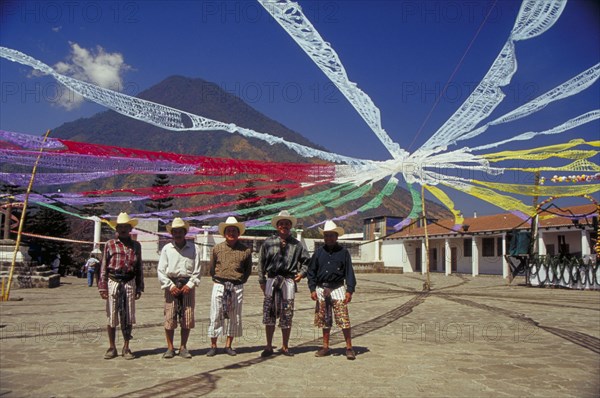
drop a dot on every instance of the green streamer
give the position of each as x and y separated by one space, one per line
377 200
417 204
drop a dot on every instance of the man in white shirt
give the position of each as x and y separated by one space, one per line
179 274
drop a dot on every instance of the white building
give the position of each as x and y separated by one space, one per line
479 245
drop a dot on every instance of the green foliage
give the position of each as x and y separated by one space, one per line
276 191
161 186
47 222
250 195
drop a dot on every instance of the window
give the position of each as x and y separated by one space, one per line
550 250
468 247
488 247
499 247
563 246
433 260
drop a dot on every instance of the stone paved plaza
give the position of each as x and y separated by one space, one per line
467 337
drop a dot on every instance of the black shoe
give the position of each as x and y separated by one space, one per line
266 353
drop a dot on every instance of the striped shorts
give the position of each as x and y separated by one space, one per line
189 304
233 325
340 309
111 304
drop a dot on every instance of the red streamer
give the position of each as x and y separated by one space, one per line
211 166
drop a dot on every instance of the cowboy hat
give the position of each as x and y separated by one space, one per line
283 215
178 223
231 222
124 218
331 227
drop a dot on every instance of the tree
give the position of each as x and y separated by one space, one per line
161 186
276 191
250 195
47 222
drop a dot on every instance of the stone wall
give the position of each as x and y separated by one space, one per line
26 276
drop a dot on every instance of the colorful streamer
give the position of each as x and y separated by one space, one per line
430 166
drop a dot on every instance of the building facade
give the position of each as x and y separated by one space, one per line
481 244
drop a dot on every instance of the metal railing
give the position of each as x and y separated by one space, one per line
573 272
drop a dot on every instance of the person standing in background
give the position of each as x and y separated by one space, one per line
90 266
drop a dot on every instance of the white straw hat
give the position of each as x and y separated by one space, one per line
178 223
231 222
283 215
331 227
124 218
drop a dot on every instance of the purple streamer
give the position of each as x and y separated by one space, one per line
30 141
521 215
90 163
402 224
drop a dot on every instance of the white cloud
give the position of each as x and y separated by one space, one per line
57 29
94 66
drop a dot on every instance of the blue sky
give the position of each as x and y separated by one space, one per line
401 53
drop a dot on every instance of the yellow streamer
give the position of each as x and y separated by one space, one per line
541 190
519 155
507 203
446 201
543 152
578 165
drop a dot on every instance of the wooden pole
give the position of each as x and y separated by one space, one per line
6 294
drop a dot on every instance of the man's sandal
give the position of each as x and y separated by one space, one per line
127 354
111 353
323 352
350 354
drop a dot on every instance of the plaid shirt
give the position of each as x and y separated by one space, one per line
124 258
277 259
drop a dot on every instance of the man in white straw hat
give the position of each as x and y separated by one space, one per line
329 268
230 268
283 261
121 282
179 274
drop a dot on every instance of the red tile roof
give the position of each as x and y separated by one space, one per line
503 222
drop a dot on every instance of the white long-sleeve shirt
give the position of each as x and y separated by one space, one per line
179 263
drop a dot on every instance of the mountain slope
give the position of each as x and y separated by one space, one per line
196 96
203 98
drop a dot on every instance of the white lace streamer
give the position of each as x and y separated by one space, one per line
534 18
162 115
291 18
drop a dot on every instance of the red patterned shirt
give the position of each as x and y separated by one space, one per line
124 257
